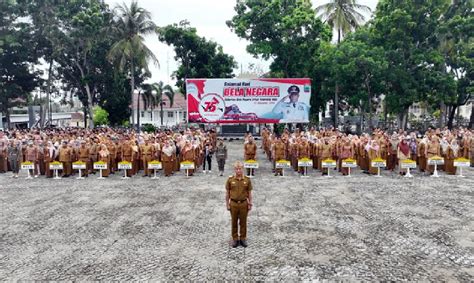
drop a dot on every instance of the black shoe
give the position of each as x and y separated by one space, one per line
235 244
243 243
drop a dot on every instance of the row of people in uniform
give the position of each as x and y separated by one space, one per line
111 147
393 148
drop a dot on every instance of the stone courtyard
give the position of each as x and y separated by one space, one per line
178 228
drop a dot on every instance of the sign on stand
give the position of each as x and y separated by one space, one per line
100 165
435 160
28 166
125 165
252 165
79 165
56 166
379 163
282 164
461 163
329 164
155 165
305 163
408 164
349 163
187 165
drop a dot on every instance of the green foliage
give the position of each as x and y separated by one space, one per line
290 33
198 57
149 128
101 117
17 79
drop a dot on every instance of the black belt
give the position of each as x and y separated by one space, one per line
238 201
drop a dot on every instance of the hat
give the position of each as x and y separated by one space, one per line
293 89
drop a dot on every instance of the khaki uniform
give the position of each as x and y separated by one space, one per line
250 152
238 190
147 152
65 156
127 155
279 151
84 157
32 156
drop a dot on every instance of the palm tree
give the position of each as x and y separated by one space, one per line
153 96
131 25
344 16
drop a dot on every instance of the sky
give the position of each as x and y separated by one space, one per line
208 17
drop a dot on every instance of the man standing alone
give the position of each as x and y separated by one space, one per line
238 200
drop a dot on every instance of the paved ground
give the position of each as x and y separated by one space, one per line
359 228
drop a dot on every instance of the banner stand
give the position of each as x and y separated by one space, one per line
460 173
408 175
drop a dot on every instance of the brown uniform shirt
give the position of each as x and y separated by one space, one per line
250 150
238 188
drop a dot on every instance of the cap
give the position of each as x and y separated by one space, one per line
293 89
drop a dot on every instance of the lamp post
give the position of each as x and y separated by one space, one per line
153 94
137 93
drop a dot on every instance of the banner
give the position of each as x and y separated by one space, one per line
248 100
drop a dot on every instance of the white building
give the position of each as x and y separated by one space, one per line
172 116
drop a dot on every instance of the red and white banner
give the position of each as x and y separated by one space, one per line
248 100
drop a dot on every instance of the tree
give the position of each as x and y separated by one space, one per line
455 33
153 96
198 57
343 16
132 24
288 32
17 77
408 37
87 30
360 70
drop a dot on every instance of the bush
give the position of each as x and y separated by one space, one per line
149 128
101 116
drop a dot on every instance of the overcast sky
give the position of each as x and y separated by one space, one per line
208 17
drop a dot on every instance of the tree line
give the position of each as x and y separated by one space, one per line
96 53
409 51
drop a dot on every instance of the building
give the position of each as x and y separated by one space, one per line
172 115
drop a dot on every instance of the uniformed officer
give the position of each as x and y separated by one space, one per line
250 153
292 111
238 199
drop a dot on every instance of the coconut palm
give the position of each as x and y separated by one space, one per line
131 25
153 96
344 16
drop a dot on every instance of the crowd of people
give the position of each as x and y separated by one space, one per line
112 146
394 148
